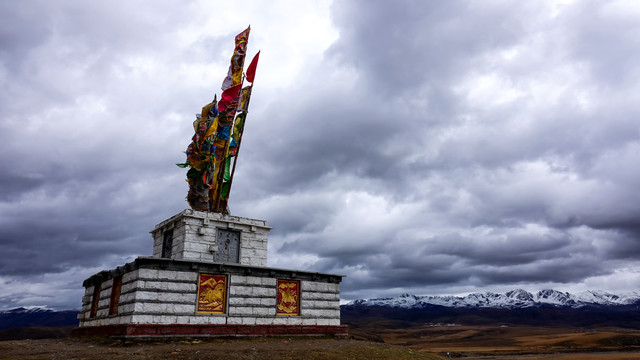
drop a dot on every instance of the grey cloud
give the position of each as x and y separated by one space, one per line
12 185
402 44
435 145
603 37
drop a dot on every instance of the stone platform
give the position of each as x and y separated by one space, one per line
208 277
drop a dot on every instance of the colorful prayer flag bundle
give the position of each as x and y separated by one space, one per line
212 154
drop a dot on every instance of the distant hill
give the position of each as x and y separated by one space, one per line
544 308
548 308
23 317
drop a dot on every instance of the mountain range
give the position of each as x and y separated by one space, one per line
37 316
510 300
546 308
516 307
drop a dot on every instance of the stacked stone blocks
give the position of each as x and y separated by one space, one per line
158 295
194 236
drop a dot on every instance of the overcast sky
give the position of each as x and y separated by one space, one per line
429 147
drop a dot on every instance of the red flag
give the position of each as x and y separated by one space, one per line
227 97
251 70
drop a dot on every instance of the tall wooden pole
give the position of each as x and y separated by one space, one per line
235 161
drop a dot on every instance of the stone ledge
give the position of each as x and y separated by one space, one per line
207 217
308 278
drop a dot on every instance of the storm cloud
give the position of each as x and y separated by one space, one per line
423 147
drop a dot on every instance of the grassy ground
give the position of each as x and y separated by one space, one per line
374 340
474 342
234 349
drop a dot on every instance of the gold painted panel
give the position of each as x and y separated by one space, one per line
212 294
288 298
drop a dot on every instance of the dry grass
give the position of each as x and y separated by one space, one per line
382 342
473 342
234 349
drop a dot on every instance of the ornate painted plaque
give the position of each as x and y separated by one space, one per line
212 294
288 297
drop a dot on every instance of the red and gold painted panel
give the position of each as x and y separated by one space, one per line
212 294
115 295
288 297
94 301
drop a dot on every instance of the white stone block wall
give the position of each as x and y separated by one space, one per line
86 303
250 298
163 296
194 236
320 303
104 300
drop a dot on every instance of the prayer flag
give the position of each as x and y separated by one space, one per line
217 136
228 96
228 81
251 70
245 94
234 75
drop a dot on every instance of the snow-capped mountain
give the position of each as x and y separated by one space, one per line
36 316
512 299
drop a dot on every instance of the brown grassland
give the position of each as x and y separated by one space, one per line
370 341
215 349
503 342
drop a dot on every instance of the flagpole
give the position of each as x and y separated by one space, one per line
235 161
237 58
250 77
220 180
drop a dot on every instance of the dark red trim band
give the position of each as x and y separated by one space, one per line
150 330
